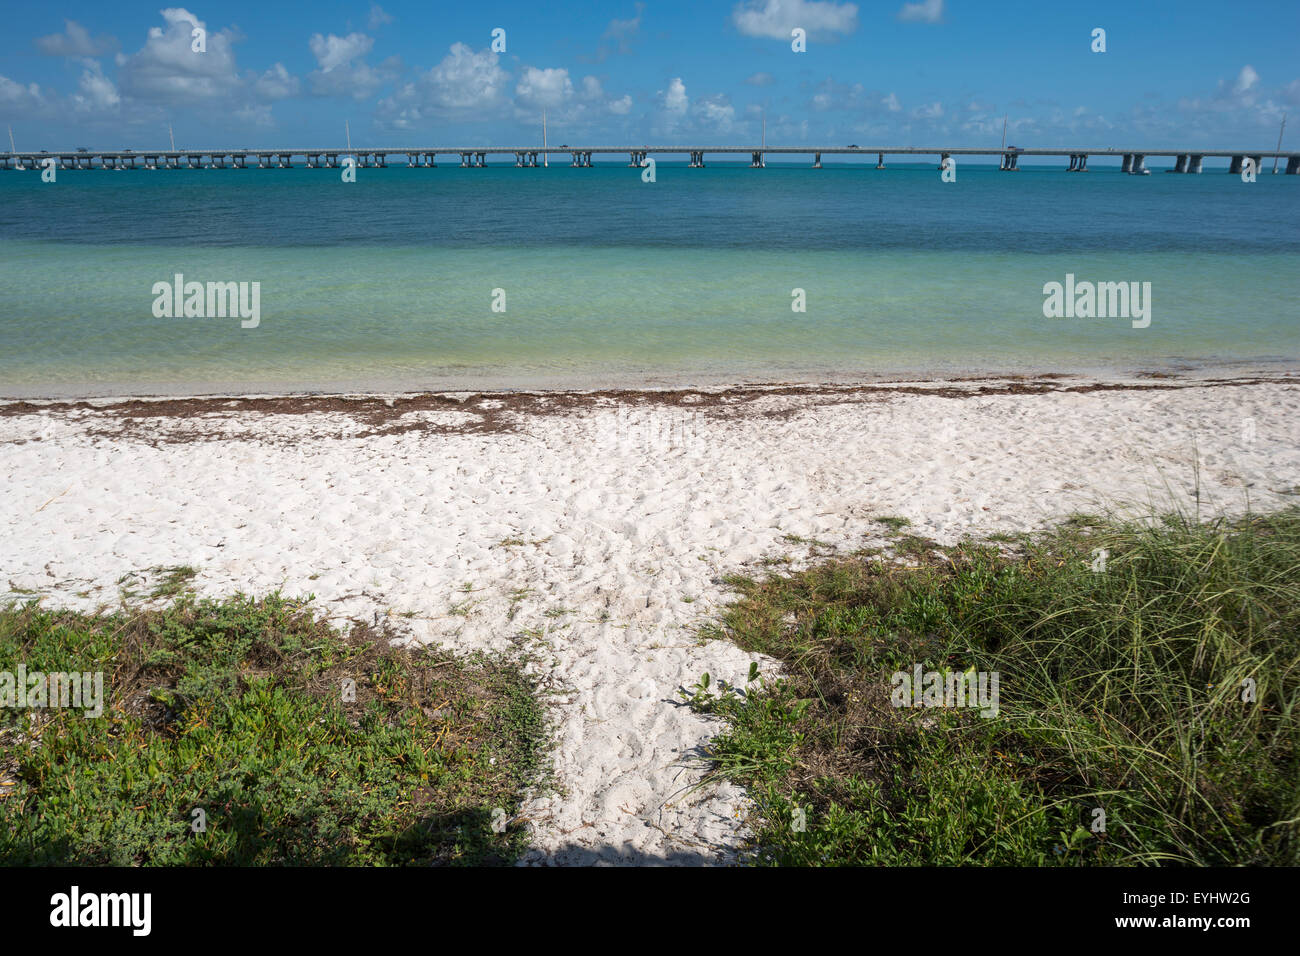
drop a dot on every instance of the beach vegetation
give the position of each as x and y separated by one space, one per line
1149 713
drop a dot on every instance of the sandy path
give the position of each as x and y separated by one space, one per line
595 534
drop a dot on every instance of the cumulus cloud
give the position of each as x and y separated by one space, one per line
334 51
378 17
776 18
465 81
674 99
543 88
276 83
1246 79
341 71
167 69
715 114
18 97
75 40
95 92
926 11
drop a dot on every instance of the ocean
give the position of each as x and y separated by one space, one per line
601 279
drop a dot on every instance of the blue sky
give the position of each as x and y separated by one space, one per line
933 72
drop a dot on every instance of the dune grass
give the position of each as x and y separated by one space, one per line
1147 711
238 708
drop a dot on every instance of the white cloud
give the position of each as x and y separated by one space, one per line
621 106
543 88
339 75
928 111
464 82
760 79
15 95
276 83
166 68
891 103
378 17
674 99
96 91
467 80
75 40
1246 79
926 11
624 30
335 51
715 113
776 18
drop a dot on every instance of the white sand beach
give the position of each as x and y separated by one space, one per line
593 530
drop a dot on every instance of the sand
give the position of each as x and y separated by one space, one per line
592 531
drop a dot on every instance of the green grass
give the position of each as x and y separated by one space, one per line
236 707
1120 690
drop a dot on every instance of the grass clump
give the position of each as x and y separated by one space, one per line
300 744
1154 690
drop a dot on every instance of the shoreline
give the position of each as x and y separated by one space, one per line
1172 369
957 385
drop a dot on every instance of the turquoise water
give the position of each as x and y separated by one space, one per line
388 283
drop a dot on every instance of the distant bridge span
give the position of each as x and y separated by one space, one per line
1131 160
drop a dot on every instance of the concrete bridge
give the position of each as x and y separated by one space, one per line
1131 160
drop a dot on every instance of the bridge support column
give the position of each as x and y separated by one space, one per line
1083 163
1139 164
1293 165
1259 164
880 161
1009 161
943 159
1180 164
817 160
431 160
1235 166
638 158
1194 163
756 162
482 160
1127 165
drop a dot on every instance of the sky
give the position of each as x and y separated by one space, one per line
932 72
